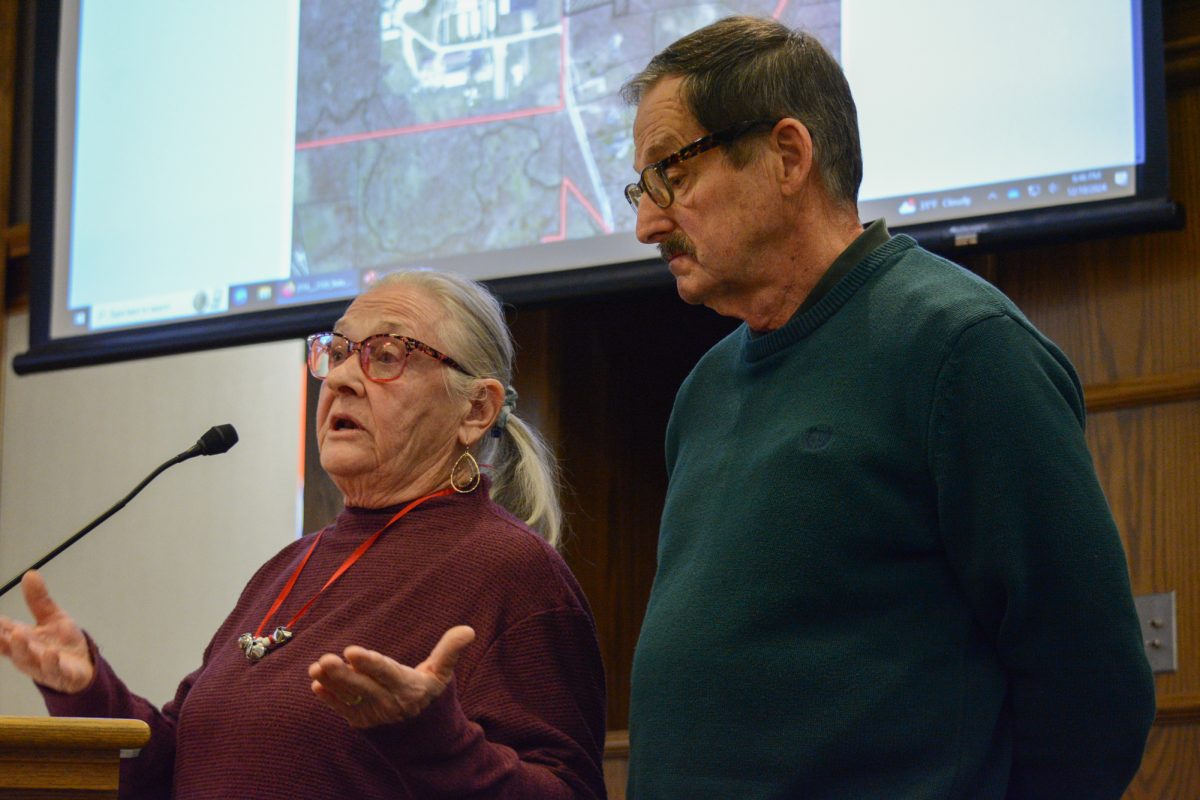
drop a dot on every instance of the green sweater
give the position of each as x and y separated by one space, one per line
886 568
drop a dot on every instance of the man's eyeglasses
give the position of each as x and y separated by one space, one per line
382 357
654 180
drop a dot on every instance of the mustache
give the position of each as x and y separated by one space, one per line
676 244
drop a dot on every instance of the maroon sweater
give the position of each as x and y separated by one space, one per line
523 718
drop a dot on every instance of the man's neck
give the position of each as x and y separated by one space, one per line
794 270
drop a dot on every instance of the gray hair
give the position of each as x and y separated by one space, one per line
740 69
524 472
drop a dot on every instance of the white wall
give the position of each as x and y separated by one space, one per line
153 582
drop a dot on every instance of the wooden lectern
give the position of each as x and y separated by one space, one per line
64 757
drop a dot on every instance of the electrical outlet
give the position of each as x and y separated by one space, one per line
1157 615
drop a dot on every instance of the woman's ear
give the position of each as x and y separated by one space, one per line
487 397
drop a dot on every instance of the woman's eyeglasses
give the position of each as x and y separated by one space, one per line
382 357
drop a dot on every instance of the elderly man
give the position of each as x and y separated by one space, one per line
886 566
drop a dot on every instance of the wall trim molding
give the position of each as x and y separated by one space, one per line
1174 709
616 744
1143 391
16 241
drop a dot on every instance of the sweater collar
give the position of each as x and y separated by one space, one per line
873 249
875 234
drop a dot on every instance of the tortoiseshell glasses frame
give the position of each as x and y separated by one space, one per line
382 357
654 180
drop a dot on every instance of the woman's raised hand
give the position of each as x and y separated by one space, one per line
367 688
53 650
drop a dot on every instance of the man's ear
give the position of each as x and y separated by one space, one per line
487 397
794 145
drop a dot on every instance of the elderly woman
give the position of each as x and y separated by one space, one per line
428 643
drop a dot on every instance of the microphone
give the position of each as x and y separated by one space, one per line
215 441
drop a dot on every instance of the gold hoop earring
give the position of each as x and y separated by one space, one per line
472 467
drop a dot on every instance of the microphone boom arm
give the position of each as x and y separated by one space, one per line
224 437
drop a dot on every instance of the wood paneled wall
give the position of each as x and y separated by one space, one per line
616 364
1125 310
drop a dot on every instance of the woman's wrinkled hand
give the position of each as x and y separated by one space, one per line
53 650
367 688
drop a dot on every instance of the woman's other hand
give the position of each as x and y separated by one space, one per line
367 688
53 650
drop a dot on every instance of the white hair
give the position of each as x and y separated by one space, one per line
524 471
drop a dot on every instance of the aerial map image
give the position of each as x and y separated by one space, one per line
428 129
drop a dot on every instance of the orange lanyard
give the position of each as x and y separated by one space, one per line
255 645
